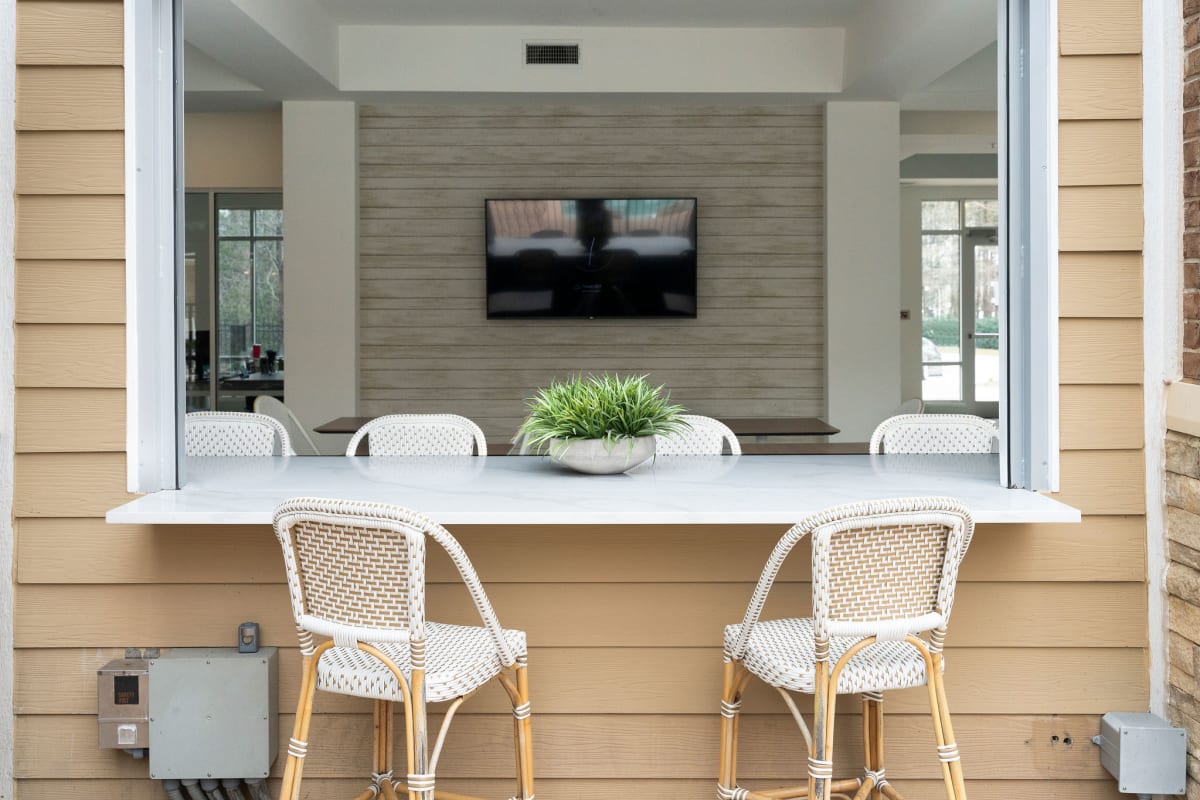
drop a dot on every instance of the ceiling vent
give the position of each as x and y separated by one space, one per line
551 53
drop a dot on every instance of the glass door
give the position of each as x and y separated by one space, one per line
960 293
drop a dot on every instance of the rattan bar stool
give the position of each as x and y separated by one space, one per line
356 575
883 579
420 435
704 436
934 434
234 433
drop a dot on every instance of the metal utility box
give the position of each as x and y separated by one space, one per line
123 704
1143 752
213 713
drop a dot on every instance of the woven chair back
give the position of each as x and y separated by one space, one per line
934 433
229 433
420 435
887 568
356 571
705 436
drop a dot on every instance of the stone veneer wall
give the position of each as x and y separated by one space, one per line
1183 588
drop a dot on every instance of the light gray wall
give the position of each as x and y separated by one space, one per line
425 345
863 240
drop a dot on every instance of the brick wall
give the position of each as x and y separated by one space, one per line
1183 588
1191 190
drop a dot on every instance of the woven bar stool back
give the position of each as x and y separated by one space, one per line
704 436
934 433
356 579
883 582
234 433
420 435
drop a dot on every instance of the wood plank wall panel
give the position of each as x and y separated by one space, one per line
1054 600
757 346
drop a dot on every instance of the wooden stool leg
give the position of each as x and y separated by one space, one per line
523 733
873 772
298 747
949 748
420 780
820 759
730 708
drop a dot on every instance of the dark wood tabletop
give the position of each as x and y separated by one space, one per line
742 426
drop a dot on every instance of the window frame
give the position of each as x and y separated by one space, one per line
1027 148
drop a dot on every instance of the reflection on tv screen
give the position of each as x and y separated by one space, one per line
591 258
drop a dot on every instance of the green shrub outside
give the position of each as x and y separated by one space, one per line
944 332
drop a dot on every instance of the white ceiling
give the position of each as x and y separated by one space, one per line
925 54
652 13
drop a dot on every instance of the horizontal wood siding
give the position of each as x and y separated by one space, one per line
756 347
624 623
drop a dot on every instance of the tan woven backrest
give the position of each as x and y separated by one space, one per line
356 571
887 568
420 435
934 433
230 433
353 568
704 436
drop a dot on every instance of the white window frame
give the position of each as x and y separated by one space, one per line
153 250
1029 327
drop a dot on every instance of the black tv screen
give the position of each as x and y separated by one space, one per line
591 258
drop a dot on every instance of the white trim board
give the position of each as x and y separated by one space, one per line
7 381
1162 254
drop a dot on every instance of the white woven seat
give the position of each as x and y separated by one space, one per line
934 434
420 435
884 575
234 433
460 659
782 653
704 436
356 579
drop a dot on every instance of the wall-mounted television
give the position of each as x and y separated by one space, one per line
591 258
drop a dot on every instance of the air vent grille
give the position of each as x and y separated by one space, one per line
550 54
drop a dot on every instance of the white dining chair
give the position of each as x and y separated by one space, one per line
267 405
356 576
420 435
934 433
234 433
883 581
703 436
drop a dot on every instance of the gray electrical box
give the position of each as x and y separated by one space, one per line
122 704
1143 752
214 713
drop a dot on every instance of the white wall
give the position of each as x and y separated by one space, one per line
320 211
862 275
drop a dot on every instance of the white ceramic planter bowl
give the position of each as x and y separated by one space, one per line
598 457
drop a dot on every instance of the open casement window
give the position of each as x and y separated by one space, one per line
1026 242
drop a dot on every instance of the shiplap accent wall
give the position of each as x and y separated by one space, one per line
756 346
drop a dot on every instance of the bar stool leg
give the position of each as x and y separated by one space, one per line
523 733
872 711
820 765
733 682
298 746
420 780
949 748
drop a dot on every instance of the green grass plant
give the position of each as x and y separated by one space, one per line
608 407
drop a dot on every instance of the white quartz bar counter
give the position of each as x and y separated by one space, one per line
535 491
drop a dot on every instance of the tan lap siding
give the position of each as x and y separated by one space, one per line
622 709
1100 294
70 296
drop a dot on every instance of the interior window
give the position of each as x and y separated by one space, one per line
233 299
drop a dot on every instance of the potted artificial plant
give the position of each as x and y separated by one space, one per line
599 424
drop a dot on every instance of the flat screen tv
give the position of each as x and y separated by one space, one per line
591 258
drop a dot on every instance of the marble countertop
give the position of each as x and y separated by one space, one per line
535 491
